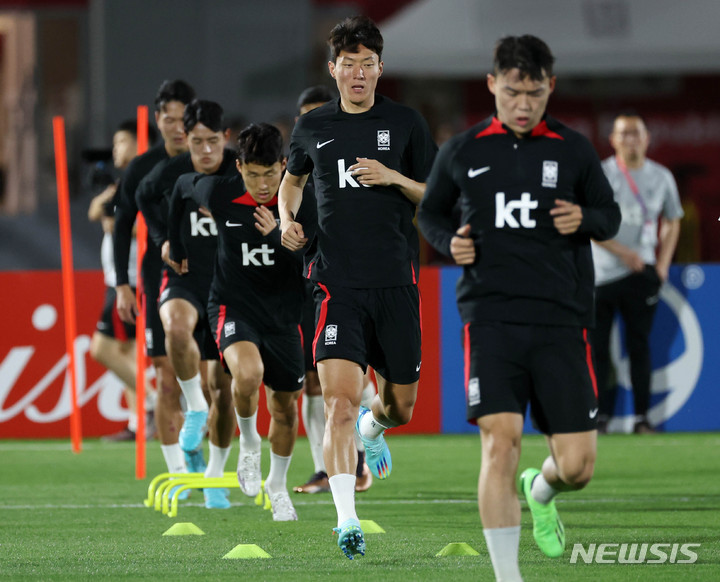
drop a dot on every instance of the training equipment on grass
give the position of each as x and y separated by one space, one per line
370 527
68 276
184 529
140 358
164 490
457 549
246 551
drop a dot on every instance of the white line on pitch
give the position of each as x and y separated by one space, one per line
374 502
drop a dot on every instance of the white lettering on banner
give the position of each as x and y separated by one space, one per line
204 226
504 212
108 388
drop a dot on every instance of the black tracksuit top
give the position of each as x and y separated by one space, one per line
525 271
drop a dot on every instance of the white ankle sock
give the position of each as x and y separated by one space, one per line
368 394
216 461
502 544
541 490
277 478
174 458
133 421
370 427
343 492
249 436
313 415
192 391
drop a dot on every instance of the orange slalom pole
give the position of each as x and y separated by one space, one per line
68 275
141 234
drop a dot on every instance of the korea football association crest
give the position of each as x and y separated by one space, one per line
331 332
550 174
383 139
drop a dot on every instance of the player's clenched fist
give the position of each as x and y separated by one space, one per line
293 237
462 247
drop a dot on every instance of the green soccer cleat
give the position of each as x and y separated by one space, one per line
350 538
548 530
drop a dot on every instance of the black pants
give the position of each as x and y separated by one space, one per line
636 298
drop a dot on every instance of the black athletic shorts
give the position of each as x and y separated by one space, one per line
307 326
177 288
376 327
281 350
110 323
151 275
509 365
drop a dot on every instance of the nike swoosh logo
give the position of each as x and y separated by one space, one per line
231 224
301 378
593 413
319 145
475 173
417 369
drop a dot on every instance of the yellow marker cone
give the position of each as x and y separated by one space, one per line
184 529
457 549
369 526
245 552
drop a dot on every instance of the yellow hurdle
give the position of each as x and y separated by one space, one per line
165 489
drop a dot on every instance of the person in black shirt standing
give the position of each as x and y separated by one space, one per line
183 298
255 305
532 194
370 158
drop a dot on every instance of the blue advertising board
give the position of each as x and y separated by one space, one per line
684 338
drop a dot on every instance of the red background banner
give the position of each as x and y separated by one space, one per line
35 387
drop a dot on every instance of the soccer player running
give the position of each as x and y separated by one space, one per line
183 297
313 405
170 101
532 193
255 305
370 158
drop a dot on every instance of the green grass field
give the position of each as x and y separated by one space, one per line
80 517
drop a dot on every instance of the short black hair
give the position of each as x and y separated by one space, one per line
177 90
354 31
316 94
209 113
130 126
260 143
527 53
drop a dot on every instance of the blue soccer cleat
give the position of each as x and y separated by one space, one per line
350 538
195 461
377 453
216 498
183 494
193 430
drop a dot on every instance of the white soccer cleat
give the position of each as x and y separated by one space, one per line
282 507
248 472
